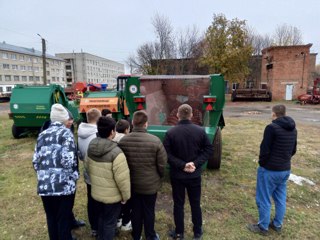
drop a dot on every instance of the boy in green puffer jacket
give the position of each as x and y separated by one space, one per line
110 178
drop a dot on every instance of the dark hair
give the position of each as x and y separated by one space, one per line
105 126
122 125
105 112
184 112
139 118
279 110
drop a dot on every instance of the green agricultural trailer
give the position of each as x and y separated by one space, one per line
30 106
163 95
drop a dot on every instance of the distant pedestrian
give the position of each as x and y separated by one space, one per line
277 147
87 132
147 158
109 175
188 148
124 220
55 161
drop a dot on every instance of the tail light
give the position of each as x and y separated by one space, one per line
140 100
209 101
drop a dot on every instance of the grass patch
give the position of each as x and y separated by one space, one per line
228 195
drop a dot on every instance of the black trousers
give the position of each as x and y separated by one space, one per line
58 211
143 207
108 216
92 209
125 214
193 187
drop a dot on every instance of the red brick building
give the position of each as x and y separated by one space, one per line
287 70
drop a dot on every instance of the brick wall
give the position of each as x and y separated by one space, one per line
288 65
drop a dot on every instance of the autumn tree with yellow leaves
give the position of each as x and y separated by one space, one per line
227 48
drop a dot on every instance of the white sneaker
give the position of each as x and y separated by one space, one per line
126 227
119 222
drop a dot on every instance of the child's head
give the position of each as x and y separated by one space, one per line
93 115
123 126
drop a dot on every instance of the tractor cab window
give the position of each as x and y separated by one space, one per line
121 83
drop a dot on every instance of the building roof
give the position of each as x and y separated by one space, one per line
28 51
284 47
72 55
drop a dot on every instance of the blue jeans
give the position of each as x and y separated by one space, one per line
271 184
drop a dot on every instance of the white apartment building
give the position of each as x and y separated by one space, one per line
20 65
86 67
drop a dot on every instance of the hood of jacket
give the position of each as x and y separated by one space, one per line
99 147
285 122
86 130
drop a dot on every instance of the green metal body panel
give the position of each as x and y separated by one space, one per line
160 131
103 94
30 106
132 89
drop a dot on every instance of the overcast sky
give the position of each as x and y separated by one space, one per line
114 29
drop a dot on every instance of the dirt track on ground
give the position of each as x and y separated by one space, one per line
307 114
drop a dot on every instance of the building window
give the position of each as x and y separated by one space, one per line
7 78
68 67
1 89
5 55
62 79
30 68
23 68
21 58
37 79
0 77
16 78
6 66
36 69
29 59
53 79
9 89
30 78
24 78
13 56
14 67
58 79
48 73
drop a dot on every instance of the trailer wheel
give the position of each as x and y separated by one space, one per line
16 131
270 97
215 161
233 96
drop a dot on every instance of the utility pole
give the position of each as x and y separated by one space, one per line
44 61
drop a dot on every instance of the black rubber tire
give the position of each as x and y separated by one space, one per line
215 161
16 131
233 97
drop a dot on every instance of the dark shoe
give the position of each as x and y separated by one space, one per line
197 237
255 228
176 236
94 233
74 237
78 223
273 227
